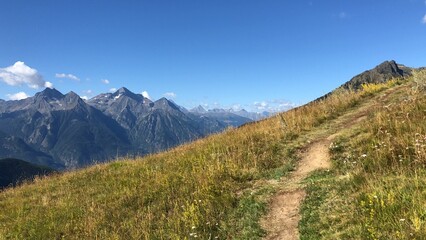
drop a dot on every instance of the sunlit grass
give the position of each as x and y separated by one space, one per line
379 175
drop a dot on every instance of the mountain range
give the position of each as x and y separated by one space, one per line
63 131
228 115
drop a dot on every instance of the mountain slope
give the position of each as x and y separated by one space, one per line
64 128
14 147
65 132
226 117
153 126
13 171
375 184
230 117
380 74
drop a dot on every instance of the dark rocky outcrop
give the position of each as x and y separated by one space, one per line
380 74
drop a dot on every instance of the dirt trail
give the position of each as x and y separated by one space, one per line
283 218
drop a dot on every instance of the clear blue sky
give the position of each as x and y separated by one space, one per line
222 52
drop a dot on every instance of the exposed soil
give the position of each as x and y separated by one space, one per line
283 217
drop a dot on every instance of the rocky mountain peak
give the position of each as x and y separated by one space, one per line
389 67
50 94
126 92
381 73
72 96
198 109
165 103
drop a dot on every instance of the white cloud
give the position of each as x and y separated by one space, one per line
236 107
260 105
68 76
48 84
87 94
424 19
19 74
111 90
17 96
171 95
105 81
145 94
273 105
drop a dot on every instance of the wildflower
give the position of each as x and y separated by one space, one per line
364 155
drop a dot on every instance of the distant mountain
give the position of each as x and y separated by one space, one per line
64 128
255 116
66 132
230 116
153 126
381 73
12 146
221 115
198 110
13 171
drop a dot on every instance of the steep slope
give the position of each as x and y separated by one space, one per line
14 147
63 127
153 126
374 190
123 106
165 126
65 132
13 171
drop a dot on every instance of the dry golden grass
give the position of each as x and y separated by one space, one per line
377 188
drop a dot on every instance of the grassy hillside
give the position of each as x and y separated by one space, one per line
377 187
217 188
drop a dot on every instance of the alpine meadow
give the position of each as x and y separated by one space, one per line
219 187
213 120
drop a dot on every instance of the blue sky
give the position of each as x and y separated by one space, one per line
256 54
